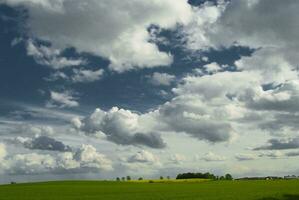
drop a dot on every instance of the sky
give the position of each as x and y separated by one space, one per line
102 89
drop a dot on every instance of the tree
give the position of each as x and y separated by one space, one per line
128 178
161 178
228 177
168 177
190 175
117 179
140 179
123 178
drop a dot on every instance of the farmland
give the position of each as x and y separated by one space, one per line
156 190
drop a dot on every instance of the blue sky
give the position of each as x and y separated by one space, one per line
100 89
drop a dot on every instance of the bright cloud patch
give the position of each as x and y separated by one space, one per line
111 29
209 157
85 159
161 79
83 76
62 100
143 157
51 57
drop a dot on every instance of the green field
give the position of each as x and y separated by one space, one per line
172 190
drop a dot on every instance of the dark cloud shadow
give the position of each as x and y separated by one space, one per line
291 197
285 197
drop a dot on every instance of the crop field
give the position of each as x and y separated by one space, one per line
156 190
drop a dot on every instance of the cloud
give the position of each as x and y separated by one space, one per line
216 25
51 57
200 109
161 79
271 64
143 163
276 144
84 76
85 159
245 157
46 143
150 139
197 34
57 76
77 76
261 23
223 84
272 154
280 124
177 158
209 157
64 99
210 107
143 157
265 82
121 127
88 157
188 114
257 94
110 29
35 113
2 151
279 154
36 130
31 163
283 98
184 114
276 54
212 67
292 154
76 122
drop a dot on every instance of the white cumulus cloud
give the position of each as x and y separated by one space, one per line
116 30
63 99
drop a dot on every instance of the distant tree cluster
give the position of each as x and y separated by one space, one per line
188 175
207 175
123 178
128 178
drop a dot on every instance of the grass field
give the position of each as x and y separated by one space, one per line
172 190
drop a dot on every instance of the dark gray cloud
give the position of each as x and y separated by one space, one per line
278 154
292 154
245 157
280 121
275 144
272 155
46 143
283 98
183 115
121 127
211 131
153 140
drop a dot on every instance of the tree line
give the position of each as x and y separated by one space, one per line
188 175
207 175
